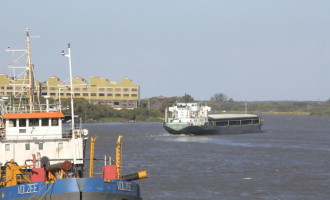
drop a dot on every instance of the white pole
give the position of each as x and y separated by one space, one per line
72 108
59 99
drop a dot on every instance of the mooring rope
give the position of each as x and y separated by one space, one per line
47 190
40 190
37 192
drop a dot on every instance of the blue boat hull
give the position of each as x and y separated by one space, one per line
74 189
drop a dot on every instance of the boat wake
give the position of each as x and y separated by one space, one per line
218 140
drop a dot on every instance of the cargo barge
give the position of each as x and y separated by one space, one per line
193 119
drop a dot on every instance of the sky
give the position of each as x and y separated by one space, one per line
255 50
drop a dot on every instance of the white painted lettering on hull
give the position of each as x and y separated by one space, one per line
126 186
27 188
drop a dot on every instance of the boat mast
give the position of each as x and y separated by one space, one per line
28 68
72 108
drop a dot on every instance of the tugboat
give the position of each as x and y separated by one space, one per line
39 159
193 119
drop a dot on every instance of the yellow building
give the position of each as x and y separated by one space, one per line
124 94
15 87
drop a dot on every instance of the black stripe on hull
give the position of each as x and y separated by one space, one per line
216 130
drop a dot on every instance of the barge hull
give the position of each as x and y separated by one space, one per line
214 130
73 189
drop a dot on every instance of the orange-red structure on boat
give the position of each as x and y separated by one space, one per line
109 172
33 115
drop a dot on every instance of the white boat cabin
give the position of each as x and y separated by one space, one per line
191 113
39 133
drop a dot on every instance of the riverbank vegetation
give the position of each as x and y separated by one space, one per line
152 109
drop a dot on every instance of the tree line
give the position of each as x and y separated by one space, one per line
152 109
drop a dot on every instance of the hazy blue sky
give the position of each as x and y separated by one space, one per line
247 49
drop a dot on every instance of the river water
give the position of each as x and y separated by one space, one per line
290 159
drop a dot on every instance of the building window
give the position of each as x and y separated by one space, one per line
12 123
54 122
33 122
134 95
134 89
21 130
101 94
7 147
45 122
125 89
52 94
52 88
126 95
22 123
118 95
76 89
109 94
44 94
93 94
9 93
9 87
84 89
27 146
101 89
109 89
85 94
77 94
41 146
118 89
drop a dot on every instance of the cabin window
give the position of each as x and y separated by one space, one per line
12 123
54 122
27 146
60 145
22 123
7 147
33 122
41 146
45 122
